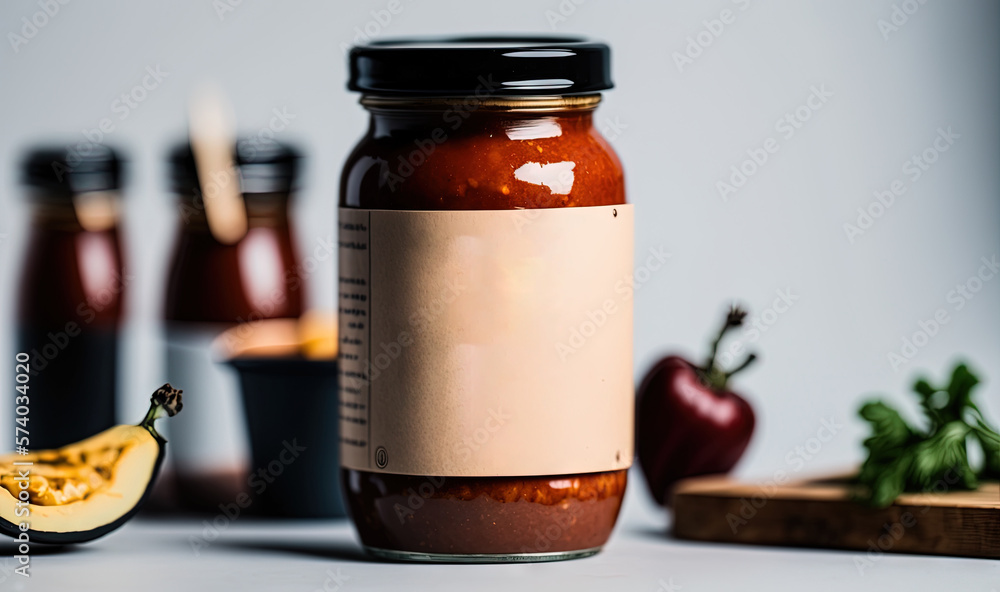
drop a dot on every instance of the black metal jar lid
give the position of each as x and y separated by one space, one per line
66 170
503 66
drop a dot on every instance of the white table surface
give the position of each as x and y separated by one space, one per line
252 555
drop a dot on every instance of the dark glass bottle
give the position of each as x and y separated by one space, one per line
70 293
211 287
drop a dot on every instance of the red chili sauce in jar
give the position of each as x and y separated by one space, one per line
478 127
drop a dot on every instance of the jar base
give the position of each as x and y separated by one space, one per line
414 557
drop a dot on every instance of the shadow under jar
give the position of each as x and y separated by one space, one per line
485 317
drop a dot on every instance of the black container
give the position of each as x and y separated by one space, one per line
292 416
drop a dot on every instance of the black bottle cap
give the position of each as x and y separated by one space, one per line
462 66
66 170
265 166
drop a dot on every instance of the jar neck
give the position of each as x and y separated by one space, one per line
263 210
92 211
440 117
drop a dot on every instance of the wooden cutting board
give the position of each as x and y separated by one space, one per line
821 513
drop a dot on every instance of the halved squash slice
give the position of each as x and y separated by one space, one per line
85 490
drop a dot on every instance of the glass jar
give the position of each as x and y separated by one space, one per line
71 291
483 234
212 286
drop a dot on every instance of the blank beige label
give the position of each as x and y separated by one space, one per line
486 343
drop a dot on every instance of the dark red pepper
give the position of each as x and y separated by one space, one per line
688 422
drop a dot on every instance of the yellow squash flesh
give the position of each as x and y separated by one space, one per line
84 486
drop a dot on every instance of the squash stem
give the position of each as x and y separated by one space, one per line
166 400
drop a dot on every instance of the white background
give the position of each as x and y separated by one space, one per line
678 133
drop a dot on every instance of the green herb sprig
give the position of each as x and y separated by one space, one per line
903 458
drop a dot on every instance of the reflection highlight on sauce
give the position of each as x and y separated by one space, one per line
534 129
557 176
263 272
98 261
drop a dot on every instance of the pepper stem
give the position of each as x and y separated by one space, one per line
166 400
713 376
733 319
749 360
